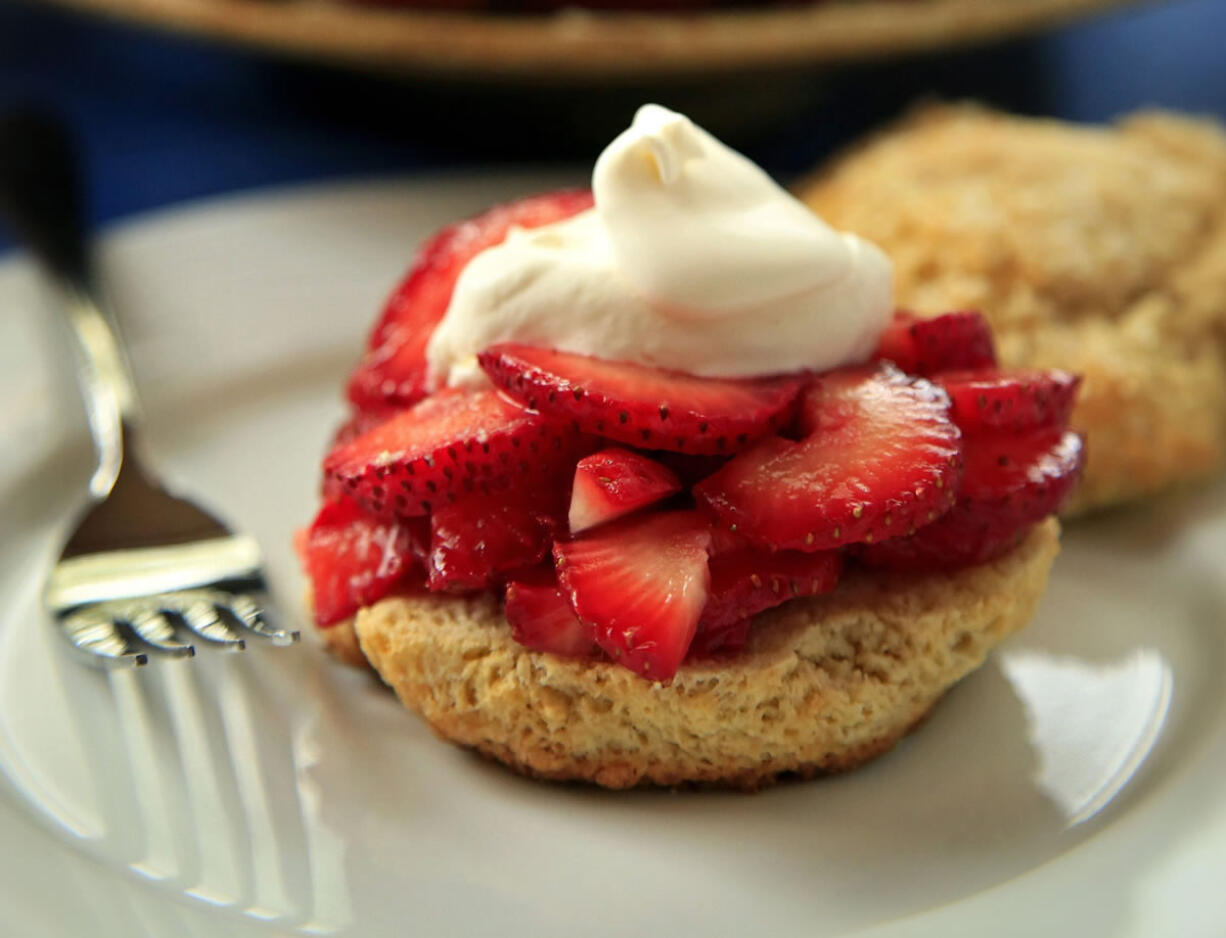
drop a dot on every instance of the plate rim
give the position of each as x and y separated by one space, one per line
1008 891
607 45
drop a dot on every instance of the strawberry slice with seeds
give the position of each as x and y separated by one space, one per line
1010 483
615 482
747 581
1022 467
642 406
542 619
476 538
353 560
393 370
642 583
359 422
719 641
927 346
988 401
690 468
451 443
881 457
724 541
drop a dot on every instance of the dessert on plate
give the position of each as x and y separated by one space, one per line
651 484
1101 250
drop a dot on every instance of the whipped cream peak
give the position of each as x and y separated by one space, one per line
698 227
692 259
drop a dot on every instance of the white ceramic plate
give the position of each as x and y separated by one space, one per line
1073 786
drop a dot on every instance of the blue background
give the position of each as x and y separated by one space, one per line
164 118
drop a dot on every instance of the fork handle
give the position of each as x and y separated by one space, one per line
41 196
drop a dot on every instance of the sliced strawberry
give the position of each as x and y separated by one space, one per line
451 443
965 535
642 406
615 482
881 457
988 400
745 582
478 537
1022 467
642 583
359 422
719 640
690 468
542 619
724 541
926 346
1011 482
352 559
393 371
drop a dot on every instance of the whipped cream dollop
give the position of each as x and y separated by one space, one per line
692 259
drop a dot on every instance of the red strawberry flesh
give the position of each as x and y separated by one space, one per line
881 457
642 406
393 370
1011 482
928 346
614 482
542 619
642 583
1020 465
477 538
746 582
690 468
451 443
360 422
353 560
987 401
719 640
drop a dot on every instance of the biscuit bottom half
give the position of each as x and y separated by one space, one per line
824 685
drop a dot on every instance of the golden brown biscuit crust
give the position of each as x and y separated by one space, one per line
341 641
825 684
1101 250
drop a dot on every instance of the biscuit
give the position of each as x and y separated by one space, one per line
824 685
341 641
1101 250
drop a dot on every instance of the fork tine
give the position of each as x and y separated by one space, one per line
93 634
203 617
156 629
248 614
136 541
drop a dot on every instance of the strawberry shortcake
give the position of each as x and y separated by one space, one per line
652 484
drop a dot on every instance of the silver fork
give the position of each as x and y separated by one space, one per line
143 569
